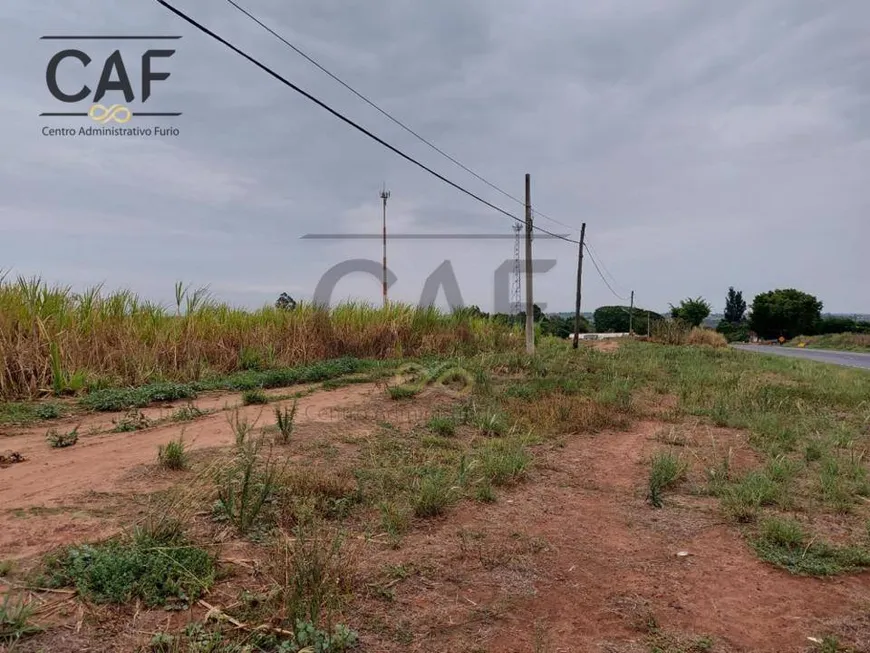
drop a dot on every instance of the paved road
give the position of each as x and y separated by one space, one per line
845 358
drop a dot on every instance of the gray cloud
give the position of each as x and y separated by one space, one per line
705 144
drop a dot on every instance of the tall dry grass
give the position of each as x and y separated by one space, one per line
677 332
55 340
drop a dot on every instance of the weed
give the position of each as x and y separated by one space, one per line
285 421
434 492
312 572
491 423
399 392
173 455
395 519
159 571
666 470
503 462
118 399
443 426
245 488
60 440
133 420
742 499
254 397
5 567
783 542
15 615
187 413
484 492
242 428
48 411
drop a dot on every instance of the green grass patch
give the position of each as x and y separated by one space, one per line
502 462
785 543
254 397
159 571
444 427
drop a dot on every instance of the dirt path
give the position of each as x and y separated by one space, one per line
50 499
577 561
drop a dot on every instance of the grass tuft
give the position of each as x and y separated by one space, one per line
15 620
173 455
666 470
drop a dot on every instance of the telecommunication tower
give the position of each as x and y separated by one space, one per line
516 282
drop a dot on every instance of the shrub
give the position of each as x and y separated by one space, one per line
60 440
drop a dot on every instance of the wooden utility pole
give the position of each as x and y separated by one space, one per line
579 287
631 315
385 195
530 305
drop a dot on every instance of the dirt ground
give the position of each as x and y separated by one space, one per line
572 559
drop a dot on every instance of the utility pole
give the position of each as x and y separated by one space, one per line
647 324
631 315
530 313
579 287
385 195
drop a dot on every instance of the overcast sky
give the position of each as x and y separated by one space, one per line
705 144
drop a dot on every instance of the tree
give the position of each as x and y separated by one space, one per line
615 319
693 311
285 302
562 327
785 312
735 306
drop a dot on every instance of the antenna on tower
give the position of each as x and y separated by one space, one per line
516 282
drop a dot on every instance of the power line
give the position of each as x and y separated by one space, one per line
600 274
606 271
350 122
387 114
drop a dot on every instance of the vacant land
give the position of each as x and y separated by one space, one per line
839 341
644 498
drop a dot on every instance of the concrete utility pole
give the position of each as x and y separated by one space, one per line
530 305
579 287
631 315
385 195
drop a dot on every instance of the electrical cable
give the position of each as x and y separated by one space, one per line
350 122
600 274
387 114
